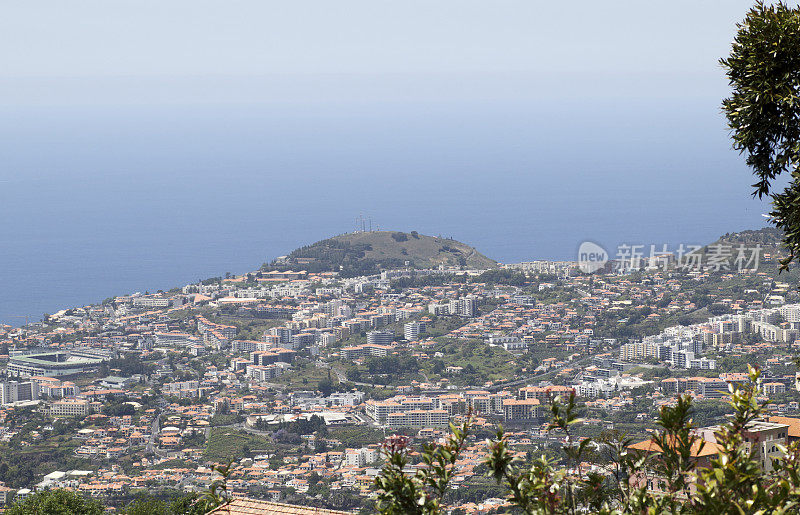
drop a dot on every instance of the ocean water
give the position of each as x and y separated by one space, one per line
101 201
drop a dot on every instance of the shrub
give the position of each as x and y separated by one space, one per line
56 502
734 482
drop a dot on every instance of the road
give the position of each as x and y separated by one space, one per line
342 379
154 429
542 375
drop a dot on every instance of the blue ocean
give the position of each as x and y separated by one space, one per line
97 201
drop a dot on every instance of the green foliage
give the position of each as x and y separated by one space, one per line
217 493
421 281
325 386
349 259
763 110
189 504
131 364
313 424
56 502
356 436
368 253
502 276
734 482
421 493
400 364
228 443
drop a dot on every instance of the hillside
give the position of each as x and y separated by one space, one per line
363 253
767 238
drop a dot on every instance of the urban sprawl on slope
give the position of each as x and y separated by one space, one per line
300 377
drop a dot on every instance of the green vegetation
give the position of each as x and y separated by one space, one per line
356 436
367 253
733 481
305 375
56 502
227 443
396 368
221 419
479 362
502 276
21 463
763 109
187 504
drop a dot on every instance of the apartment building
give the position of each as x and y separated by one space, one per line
70 408
268 357
521 409
56 389
264 373
772 389
544 394
413 330
15 391
638 350
509 343
762 437
151 302
371 350
384 338
380 410
184 389
217 335
176 339
418 418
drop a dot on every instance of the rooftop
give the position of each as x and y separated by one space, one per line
255 507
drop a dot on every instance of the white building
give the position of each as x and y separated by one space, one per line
412 330
14 391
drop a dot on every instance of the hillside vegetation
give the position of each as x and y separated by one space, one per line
363 253
768 239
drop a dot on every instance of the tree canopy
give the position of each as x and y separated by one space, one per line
56 502
763 110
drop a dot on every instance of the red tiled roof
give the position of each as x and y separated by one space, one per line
255 507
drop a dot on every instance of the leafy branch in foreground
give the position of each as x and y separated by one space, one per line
217 493
403 493
677 471
763 111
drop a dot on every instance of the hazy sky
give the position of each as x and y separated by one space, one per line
99 52
146 144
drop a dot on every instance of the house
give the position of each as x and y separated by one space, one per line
766 439
257 507
6 494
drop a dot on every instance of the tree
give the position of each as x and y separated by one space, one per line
403 494
763 111
147 506
56 502
735 482
325 386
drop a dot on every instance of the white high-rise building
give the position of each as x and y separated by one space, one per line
412 330
14 391
380 337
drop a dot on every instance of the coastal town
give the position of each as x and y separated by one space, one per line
297 378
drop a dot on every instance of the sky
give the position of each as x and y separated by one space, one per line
147 52
148 144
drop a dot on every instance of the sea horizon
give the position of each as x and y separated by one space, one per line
162 196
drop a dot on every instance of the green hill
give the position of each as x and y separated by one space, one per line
363 253
767 238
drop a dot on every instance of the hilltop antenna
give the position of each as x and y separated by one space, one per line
370 224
